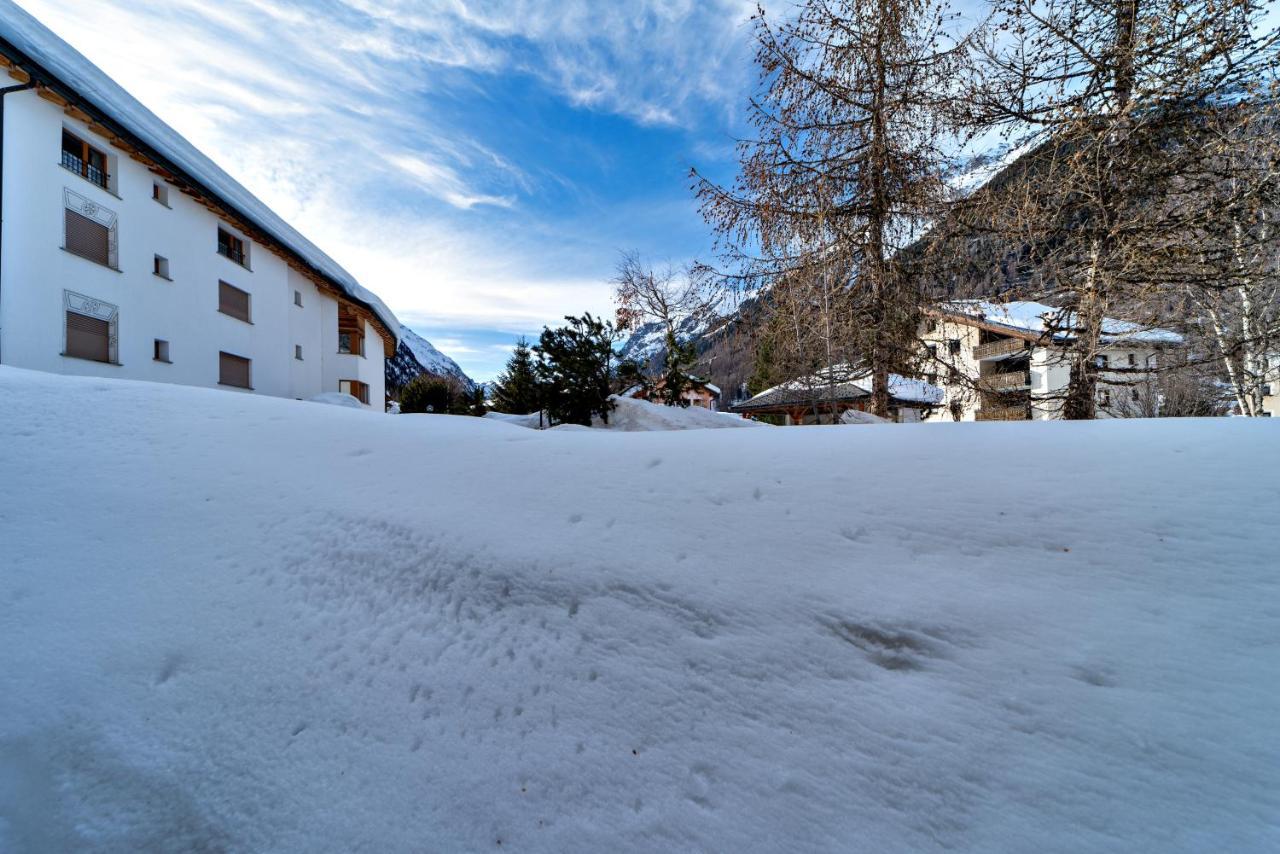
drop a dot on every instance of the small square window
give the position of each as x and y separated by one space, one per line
297 352
953 346
161 351
297 298
160 193
160 266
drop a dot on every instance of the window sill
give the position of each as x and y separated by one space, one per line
233 317
95 361
71 171
358 355
159 276
232 385
162 204
163 361
90 260
239 264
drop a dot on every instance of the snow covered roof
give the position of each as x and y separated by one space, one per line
54 63
1037 318
841 383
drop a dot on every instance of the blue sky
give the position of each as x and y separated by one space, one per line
479 165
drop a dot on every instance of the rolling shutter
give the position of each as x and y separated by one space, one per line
88 337
233 370
87 238
233 301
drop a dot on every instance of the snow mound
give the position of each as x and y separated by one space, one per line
532 420
237 623
337 398
857 416
631 416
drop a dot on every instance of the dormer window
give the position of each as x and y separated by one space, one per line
83 159
232 247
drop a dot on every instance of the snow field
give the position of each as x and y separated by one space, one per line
245 624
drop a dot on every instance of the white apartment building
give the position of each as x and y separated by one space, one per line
1010 362
125 252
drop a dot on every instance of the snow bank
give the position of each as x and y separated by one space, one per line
230 622
337 398
631 416
857 416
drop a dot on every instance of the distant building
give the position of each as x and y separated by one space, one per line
1011 361
127 253
824 397
698 393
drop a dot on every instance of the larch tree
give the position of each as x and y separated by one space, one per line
1115 93
848 159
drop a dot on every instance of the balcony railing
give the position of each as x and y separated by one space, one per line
233 252
1012 381
999 348
87 171
1004 413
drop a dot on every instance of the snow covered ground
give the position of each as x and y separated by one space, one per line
636 416
238 623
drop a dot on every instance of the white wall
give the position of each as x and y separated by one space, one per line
184 311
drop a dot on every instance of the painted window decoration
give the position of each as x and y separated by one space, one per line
90 328
89 230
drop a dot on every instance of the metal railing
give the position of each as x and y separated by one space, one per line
85 170
1000 347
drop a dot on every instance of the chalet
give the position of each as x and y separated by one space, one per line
698 393
827 395
125 252
1011 361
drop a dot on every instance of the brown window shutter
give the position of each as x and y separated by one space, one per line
233 370
87 238
233 301
88 337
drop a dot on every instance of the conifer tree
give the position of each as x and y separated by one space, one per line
575 370
516 391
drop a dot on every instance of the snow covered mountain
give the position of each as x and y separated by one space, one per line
416 355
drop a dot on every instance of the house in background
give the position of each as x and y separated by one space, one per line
698 393
827 395
125 252
1011 362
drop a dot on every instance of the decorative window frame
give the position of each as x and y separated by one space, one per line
105 217
99 310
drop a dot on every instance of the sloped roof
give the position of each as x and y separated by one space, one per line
838 384
1038 319
59 65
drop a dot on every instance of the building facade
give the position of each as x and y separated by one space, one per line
1004 362
125 253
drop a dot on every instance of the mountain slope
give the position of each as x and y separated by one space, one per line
416 355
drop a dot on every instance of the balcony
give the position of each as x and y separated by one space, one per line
1001 348
84 169
1011 381
1004 413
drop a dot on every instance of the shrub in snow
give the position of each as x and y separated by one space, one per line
426 393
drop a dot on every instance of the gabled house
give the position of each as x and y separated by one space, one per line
699 393
125 252
1010 361
823 397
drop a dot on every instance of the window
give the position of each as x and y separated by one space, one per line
953 346
160 266
350 336
297 352
297 298
233 302
1133 360
931 379
355 388
1133 395
83 159
1101 362
234 370
930 325
933 351
88 229
160 193
161 351
1104 397
232 247
90 328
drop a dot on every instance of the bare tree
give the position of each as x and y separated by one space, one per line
1111 87
847 162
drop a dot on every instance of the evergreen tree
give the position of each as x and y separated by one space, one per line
575 370
516 391
675 375
426 393
479 402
